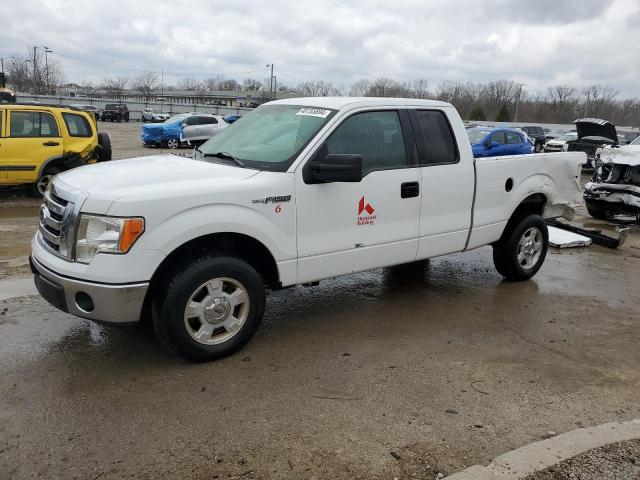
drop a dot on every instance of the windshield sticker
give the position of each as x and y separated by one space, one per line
314 112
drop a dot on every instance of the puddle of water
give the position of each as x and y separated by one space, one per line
17 287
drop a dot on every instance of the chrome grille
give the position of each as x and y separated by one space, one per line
58 218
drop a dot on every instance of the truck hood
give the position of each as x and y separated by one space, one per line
106 182
595 127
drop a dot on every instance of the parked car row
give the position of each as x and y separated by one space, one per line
185 129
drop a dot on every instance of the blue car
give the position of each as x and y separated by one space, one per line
495 142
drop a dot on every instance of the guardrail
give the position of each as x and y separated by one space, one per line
136 107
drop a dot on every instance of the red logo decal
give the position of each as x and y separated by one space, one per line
365 213
362 206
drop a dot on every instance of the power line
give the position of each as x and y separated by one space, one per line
137 70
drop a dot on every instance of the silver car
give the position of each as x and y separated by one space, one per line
154 115
200 127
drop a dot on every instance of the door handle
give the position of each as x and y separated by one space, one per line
409 189
51 144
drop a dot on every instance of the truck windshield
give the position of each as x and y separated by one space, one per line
269 138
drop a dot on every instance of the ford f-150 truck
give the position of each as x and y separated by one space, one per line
300 190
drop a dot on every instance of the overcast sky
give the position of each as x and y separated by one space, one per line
536 42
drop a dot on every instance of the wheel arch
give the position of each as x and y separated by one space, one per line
66 161
240 245
534 203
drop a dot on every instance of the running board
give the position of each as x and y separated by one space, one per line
595 235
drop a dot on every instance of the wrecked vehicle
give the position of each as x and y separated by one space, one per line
593 133
40 141
615 186
300 190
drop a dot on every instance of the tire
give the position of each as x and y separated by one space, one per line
173 143
104 152
596 212
227 301
520 253
538 147
41 185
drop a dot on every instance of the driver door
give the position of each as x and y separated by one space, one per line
349 227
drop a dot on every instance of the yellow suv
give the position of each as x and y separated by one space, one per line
39 141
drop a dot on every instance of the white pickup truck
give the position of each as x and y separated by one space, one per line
297 191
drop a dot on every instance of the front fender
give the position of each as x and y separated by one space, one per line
277 235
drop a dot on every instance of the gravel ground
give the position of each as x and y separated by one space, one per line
618 461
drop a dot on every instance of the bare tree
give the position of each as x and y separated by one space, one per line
251 84
188 84
228 85
145 84
115 87
360 88
318 88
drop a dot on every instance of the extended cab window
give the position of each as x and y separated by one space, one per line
437 137
77 125
498 137
377 136
33 124
513 137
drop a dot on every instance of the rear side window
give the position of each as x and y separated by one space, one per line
77 125
208 120
513 137
377 136
438 138
498 137
33 124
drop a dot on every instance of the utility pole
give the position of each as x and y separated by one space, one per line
34 69
271 82
515 116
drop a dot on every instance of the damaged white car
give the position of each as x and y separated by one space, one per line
615 186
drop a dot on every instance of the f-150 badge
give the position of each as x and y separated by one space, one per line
276 199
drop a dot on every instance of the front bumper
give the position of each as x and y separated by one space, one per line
615 197
94 301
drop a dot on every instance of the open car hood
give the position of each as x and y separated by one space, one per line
595 127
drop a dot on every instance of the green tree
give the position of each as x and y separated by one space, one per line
478 114
504 115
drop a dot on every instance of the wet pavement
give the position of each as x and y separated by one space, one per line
443 364
405 372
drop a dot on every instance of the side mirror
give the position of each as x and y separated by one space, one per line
336 168
491 145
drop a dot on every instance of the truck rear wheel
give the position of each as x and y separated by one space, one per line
209 308
521 252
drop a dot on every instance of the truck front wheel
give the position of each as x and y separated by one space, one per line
522 250
209 308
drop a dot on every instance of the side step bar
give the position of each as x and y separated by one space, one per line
595 235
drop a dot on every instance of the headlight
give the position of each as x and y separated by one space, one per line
106 235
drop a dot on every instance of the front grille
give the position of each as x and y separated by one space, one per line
58 216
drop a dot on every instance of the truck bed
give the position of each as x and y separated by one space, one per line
502 183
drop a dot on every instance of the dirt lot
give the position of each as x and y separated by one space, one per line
405 372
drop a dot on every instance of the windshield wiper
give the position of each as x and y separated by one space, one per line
226 156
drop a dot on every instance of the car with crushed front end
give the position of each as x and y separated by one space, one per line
38 142
614 188
300 190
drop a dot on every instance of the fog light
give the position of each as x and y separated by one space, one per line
84 302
